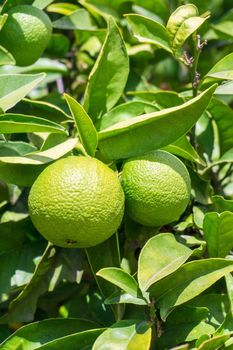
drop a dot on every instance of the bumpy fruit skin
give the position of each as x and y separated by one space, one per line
26 34
76 202
157 188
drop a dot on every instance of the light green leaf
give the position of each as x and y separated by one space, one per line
229 285
6 57
63 8
183 22
125 111
188 281
183 148
159 257
224 28
13 87
77 20
218 233
124 298
152 131
84 124
147 30
213 343
125 335
223 69
109 75
41 4
121 279
23 170
225 89
37 334
221 204
19 123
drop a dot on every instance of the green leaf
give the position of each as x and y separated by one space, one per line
124 298
159 257
223 69
218 233
225 89
149 31
183 148
41 109
162 98
19 123
125 111
188 281
13 234
104 255
13 87
77 20
224 29
183 22
23 170
8 4
151 131
121 279
6 57
125 335
36 334
62 8
109 75
217 305
221 204
213 343
81 341
18 262
185 324
229 285
84 124
41 4
23 307
223 116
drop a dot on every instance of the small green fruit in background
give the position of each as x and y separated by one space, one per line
77 202
26 34
157 188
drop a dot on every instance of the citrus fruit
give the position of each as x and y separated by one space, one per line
157 188
26 33
76 202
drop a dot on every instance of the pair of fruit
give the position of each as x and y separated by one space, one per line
79 201
26 33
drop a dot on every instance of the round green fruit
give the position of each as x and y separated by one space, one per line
77 202
26 34
157 188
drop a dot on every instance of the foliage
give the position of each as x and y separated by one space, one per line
118 79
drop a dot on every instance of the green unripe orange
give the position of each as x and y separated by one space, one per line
26 34
157 188
77 202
